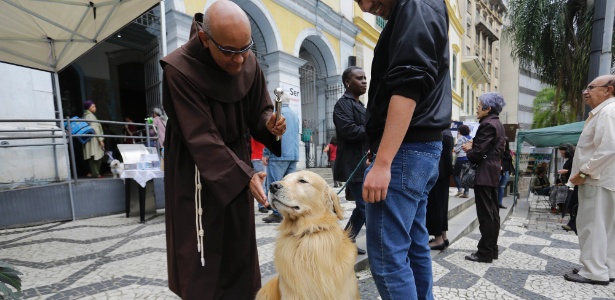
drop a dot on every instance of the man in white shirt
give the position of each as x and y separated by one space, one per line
593 170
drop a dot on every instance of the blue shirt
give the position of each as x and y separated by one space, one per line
290 139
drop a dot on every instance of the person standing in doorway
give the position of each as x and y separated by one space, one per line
279 166
409 106
160 123
349 119
94 149
306 138
593 171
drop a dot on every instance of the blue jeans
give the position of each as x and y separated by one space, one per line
397 239
357 219
258 166
457 176
277 169
503 181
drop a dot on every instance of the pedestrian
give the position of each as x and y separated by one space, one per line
94 149
485 150
437 200
279 166
306 138
572 197
160 124
507 168
463 137
331 150
593 171
214 91
256 156
129 130
349 119
409 106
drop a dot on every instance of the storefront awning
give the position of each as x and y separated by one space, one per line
49 35
475 69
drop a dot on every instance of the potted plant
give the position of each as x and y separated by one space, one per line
9 277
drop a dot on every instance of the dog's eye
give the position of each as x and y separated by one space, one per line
302 181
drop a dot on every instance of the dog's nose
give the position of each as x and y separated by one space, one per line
274 187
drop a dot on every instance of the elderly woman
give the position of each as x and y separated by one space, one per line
94 149
485 151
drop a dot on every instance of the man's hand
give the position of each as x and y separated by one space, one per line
256 187
376 184
577 180
562 171
276 126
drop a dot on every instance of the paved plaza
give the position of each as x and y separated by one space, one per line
114 257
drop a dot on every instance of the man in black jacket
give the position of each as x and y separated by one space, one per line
409 106
349 119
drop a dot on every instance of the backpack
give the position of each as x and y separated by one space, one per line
80 127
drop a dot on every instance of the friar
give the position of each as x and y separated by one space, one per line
214 92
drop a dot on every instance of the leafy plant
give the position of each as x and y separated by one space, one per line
9 277
550 110
552 39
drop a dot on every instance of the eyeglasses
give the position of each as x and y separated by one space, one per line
591 87
230 52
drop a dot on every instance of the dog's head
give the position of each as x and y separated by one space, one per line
115 163
304 194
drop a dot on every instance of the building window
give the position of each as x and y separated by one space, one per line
469 29
496 72
380 22
469 8
489 68
496 88
467 109
454 69
462 90
468 50
497 53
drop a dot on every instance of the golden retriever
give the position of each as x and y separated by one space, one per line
314 257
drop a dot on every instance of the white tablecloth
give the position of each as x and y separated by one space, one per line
142 176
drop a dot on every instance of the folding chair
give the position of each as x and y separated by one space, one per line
539 199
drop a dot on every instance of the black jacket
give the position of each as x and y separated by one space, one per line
349 120
489 141
411 59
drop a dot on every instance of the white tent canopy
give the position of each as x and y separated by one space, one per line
49 35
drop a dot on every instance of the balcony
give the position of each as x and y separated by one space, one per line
475 69
483 26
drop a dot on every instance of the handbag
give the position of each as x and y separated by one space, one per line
468 171
78 126
468 175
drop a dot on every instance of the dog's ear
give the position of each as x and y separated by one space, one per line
334 202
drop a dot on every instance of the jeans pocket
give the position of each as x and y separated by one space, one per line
419 171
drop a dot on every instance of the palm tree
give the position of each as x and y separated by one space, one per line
545 115
552 38
9 277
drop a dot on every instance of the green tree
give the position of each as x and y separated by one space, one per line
552 38
9 277
546 115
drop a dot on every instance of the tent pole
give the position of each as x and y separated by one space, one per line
56 82
163 28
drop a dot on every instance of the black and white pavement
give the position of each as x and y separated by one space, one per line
114 257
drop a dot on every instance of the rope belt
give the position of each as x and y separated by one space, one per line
199 213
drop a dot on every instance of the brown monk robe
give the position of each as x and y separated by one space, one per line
209 113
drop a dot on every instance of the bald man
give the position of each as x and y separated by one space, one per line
214 92
593 170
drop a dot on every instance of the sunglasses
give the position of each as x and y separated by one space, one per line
230 52
591 87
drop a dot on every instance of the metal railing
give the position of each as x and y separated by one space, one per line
67 137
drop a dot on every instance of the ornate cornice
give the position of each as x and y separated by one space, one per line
367 30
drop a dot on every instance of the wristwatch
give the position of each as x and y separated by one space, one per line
582 175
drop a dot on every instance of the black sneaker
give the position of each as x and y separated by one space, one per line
273 218
263 210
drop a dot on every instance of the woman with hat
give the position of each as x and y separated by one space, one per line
94 149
